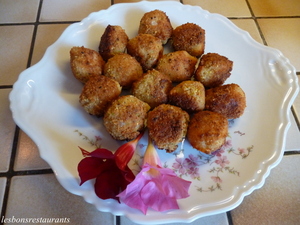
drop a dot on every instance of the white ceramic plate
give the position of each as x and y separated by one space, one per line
44 102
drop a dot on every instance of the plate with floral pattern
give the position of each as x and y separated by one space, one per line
44 103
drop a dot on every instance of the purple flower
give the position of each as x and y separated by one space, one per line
179 165
222 161
218 152
194 172
191 161
228 144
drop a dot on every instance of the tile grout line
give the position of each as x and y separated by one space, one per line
229 218
9 173
36 24
117 220
296 117
256 22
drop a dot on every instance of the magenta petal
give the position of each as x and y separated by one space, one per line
133 200
131 196
176 187
173 185
89 168
155 187
154 197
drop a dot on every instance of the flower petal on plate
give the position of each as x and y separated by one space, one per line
154 197
108 183
151 157
100 153
128 174
125 152
175 187
89 168
131 195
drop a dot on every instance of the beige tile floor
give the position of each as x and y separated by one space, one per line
31 189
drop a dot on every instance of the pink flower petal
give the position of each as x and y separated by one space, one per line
151 157
131 196
158 190
176 187
154 197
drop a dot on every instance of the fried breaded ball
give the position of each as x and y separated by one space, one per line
188 95
146 48
113 41
207 131
126 117
153 88
123 68
97 93
228 100
167 125
178 65
85 63
213 70
189 37
158 24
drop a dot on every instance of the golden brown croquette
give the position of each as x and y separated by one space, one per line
178 65
213 70
189 37
167 126
146 48
188 95
126 117
156 23
85 63
123 68
153 88
207 131
97 93
113 41
228 100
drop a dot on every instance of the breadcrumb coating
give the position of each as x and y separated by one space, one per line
146 48
178 65
213 70
123 68
113 41
153 88
188 95
228 100
97 93
167 125
126 117
189 37
156 23
207 131
85 63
